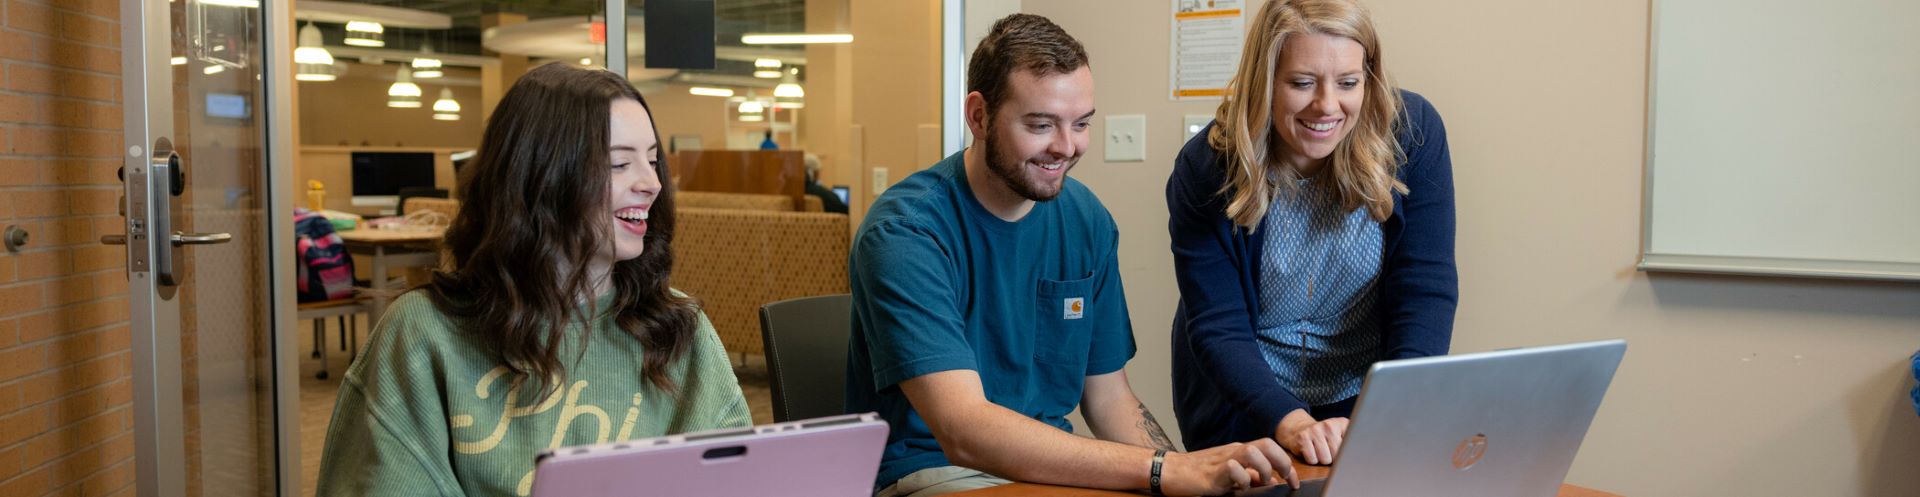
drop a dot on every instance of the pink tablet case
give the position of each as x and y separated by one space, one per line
826 457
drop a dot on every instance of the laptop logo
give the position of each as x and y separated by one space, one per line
1075 308
1469 452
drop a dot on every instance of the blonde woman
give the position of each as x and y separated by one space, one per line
1312 228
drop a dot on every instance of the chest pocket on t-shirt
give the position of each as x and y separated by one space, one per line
1062 328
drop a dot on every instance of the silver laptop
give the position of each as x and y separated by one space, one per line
1493 424
826 457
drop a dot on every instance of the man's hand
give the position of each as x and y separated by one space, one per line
1317 442
1227 468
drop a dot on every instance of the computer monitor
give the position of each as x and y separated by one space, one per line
842 191
378 177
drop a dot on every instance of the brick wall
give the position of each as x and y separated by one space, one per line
65 418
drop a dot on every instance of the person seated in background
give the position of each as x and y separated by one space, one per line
1312 228
987 304
552 327
828 200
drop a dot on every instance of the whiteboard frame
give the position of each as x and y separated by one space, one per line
1651 261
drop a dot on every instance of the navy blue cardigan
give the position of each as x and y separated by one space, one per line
1223 389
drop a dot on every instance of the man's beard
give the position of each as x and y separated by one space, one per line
1012 171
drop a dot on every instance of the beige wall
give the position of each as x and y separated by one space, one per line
353 110
829 85
1731 386
896 83
677 112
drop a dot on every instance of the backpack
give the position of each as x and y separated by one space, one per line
325 270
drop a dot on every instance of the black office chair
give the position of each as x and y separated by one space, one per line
416 191
806 341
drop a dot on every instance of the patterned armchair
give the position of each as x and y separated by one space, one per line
735 260
747 201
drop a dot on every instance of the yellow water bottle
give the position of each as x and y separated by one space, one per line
316 195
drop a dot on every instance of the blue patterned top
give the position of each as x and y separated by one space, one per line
1224 391
1316 324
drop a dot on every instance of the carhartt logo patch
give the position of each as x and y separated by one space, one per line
1075 308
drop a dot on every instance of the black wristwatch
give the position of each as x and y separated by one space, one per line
1153 480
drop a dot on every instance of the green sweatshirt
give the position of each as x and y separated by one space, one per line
425 410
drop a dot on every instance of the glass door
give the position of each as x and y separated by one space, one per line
200 233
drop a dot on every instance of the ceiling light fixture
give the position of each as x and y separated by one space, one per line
315 63
751 111
403 94
794 38
366 34
446 108
426 66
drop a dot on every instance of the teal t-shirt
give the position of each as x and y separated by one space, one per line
940 284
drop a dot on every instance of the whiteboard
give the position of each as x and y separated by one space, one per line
1784 138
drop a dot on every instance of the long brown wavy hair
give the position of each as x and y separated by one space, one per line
1362 167
526 232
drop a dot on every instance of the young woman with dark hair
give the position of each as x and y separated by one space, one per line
552 326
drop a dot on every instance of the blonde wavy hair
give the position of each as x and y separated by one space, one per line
1362 166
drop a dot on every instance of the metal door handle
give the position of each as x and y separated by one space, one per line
199 238
178 239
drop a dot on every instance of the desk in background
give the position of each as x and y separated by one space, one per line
411 247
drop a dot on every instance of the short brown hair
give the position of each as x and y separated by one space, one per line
1020 41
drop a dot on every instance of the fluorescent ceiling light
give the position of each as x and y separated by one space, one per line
794 38
710 92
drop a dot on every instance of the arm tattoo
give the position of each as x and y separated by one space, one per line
1154 433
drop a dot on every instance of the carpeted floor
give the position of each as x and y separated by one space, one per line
316 396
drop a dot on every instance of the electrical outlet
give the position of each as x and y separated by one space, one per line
879 181
1127 138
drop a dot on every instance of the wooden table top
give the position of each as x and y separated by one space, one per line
1306 472
392 236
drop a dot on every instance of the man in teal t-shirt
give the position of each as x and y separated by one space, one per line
987 303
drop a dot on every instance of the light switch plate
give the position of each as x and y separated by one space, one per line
879 181
1191 125
1127 138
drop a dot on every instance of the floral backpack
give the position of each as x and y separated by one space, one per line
325 270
